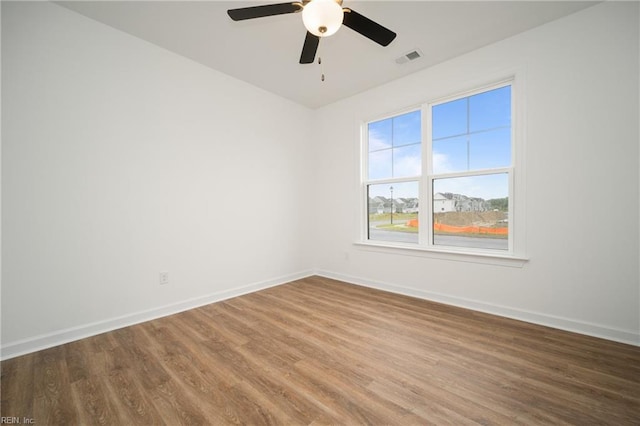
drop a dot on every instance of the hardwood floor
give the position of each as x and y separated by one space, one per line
318 351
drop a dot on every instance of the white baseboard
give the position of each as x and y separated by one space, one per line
14 349
22 347
589 329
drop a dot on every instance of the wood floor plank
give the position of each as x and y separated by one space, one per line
52 391
130 398
192 370
17 378
318 351
92 401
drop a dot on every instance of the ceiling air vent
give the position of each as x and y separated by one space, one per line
409 56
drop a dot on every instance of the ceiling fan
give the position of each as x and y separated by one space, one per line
321 18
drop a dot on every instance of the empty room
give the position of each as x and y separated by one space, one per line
320 212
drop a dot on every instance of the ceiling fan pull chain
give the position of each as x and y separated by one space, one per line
321 68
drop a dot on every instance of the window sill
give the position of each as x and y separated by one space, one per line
486 258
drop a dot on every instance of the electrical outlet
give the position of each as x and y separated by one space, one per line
164 278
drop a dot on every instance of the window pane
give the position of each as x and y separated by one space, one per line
407 161
486 141
490 149
406 129
380 163
472 211
380 135
395 147
393 212
450 155
449 119
490 109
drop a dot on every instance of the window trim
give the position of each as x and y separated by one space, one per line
515 254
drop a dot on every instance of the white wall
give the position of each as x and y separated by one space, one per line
121 160
582 141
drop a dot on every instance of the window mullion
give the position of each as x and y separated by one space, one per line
424 217
468 138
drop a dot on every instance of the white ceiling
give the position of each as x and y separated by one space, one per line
265 51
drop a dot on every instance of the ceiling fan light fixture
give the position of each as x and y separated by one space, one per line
322 18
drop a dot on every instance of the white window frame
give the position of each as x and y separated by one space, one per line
391 181
515 254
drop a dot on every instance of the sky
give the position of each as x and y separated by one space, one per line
471 133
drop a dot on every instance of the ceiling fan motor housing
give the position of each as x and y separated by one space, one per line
322 18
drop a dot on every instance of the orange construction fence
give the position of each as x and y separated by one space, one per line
462 229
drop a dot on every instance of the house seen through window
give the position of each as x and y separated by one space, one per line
441 175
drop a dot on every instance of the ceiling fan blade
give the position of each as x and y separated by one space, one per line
367 27
264 10
309 48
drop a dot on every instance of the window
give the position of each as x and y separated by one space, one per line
442 176
394 170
